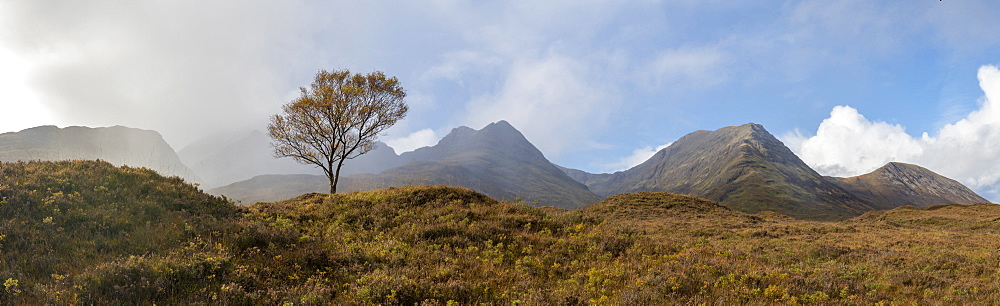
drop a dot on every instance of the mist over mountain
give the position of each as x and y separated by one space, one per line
496 160
223 160
117 144
898 184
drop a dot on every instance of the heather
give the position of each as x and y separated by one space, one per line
86 232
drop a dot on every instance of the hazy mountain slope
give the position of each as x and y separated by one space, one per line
898 184
219 162
586 178
743 167
496 160
118 145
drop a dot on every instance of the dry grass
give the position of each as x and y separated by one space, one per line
441 245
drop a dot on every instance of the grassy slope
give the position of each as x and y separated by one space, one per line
58 219
435 244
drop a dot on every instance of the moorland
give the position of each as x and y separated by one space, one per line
89 232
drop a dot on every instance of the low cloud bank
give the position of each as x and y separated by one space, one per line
848 144
638 156
416 140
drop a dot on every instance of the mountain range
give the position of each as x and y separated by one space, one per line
496 160
744 168
748 169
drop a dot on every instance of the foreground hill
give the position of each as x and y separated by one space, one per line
59 220
743 167
145 239
657 209
496 160
118 145
898 184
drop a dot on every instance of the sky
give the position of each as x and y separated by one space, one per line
595 85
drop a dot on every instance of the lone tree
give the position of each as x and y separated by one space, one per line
337 118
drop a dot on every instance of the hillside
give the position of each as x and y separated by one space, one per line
59 220
743 167
90 233
661 210
117 145
898 184
496 160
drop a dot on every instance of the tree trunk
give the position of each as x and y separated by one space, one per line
336 177
331 176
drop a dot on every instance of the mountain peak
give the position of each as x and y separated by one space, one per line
743 167
751 126
745 131
500 124
896 184
462 130
903 171
895 167
503 129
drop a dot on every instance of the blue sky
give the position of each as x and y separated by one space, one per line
596 85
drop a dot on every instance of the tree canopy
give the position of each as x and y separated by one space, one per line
337 118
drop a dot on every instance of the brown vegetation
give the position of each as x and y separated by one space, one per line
441 245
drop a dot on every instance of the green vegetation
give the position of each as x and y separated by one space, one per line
58 220
91 233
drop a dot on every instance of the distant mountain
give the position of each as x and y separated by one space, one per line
743 167
220 160
898 184
496 160
118 145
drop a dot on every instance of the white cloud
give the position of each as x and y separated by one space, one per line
969 149
551 100
179 67
848 144
458 64
416 140
20 108
637 157
687 67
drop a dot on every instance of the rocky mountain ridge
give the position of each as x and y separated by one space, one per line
748 169
897 184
